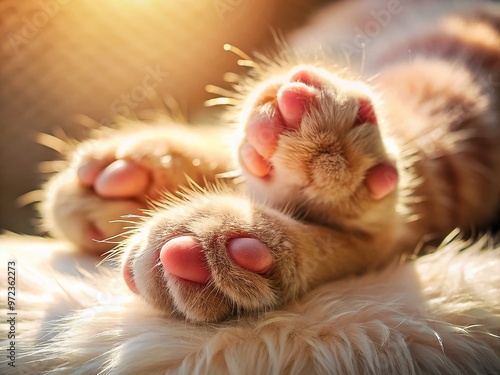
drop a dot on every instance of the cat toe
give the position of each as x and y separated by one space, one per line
263 132
250 254
293 99
314 138
118 179
184 257
382 180
275 112
254 161
88 171
210 259
122 179
307 75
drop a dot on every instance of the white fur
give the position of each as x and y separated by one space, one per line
439 314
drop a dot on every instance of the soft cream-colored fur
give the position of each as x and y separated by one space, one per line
440 314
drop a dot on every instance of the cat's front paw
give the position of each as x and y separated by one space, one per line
214 257
218 255
312 140
116 176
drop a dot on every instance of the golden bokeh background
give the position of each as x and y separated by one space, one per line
65 58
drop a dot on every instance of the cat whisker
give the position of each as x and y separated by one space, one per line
230 174
363 57
221 101
154 268
212 89
52 142
263 58
111 255
86 121
231 77
125 222
51 166
373 77
246 60
135 216
280 41
31 197
122 234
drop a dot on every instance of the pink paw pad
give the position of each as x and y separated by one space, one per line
293 100
263 133
250 254
382 180
120 179
366 113
263 130
90 170
183 257
306 76
128 276
254 162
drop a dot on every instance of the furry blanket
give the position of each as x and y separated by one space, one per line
437 315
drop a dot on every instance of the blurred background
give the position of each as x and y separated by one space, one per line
64 62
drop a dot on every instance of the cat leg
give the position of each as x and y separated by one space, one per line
221 255
118 173
313 144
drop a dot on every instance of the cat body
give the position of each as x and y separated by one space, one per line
345 171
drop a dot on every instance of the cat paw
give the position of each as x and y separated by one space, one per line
216 256
313 137
212 258
131 169
115 177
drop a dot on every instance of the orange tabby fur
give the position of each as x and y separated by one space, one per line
438 122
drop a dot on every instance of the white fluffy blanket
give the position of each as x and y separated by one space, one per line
437 315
